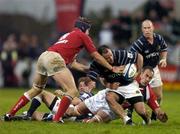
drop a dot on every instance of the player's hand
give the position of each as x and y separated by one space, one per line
118 69
163 63
59 93
162 116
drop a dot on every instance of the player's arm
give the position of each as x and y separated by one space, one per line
121 68
163 59
78 66
89 46
139 62
100 59
152 101
59 93
153 104
163 53
102 81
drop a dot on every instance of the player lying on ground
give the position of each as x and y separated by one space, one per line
97 105
85 86
148 94
128 89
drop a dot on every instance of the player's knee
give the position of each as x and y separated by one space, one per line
77 111
140 110
38 88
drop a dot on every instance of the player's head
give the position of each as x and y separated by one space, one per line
146 75
147 28
86 84
83 24
114 85
106 52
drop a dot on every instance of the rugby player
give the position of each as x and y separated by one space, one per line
127 90
85 86
54 61
149 96
153 48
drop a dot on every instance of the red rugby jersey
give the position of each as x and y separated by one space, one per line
150 97
69 45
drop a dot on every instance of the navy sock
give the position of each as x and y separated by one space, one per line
34 105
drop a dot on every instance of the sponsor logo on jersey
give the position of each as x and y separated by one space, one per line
152 55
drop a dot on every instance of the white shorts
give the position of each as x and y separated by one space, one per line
98 102
56 106
50 63
129 91
156 80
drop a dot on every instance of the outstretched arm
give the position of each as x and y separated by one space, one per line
112 99
78 66
100 59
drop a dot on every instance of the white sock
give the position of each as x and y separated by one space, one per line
126 118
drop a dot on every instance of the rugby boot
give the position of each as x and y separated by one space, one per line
7 117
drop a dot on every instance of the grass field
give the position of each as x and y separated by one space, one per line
171 105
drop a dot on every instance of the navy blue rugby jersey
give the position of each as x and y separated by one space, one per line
150 52
121 57
84 95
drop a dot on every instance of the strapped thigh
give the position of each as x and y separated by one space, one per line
38 87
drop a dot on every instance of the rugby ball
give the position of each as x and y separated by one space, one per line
129 71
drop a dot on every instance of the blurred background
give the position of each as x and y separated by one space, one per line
29 27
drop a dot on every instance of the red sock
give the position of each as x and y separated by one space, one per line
63 106
21 102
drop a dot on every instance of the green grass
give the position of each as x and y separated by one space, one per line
171 105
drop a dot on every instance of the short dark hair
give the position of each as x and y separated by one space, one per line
149 68
86 80
103 49
83 19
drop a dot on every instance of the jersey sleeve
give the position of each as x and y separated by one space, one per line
84 96
93 72
132 56
152 101
163 44
136 46
88 43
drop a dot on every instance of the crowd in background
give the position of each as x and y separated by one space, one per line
18 53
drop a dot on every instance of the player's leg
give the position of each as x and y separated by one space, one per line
139 107
101 116
114 100
38 86
127 106
78 110
156 84
35 103
44 96
39 116
47 98
66 80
